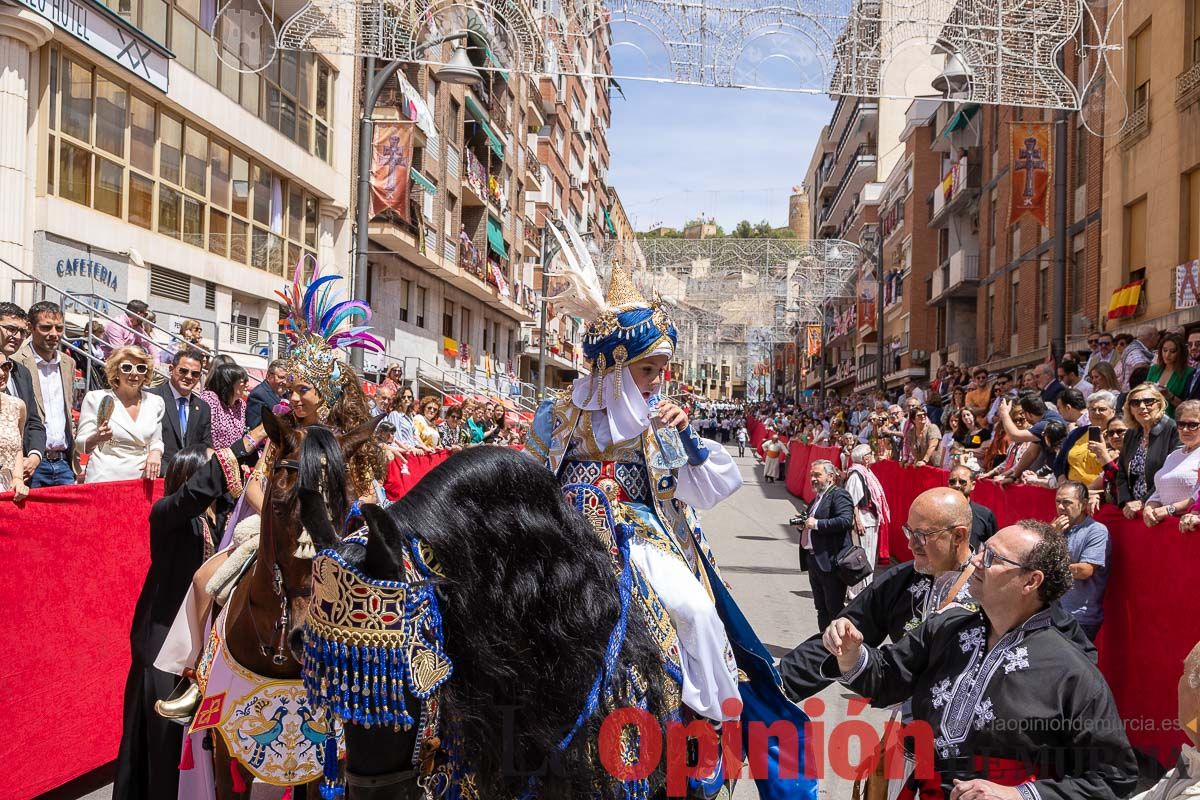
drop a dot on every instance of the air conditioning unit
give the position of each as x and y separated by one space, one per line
919 355
575 184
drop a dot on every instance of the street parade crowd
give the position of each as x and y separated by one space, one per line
302 626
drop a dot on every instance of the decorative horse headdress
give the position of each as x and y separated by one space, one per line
311 321
630 328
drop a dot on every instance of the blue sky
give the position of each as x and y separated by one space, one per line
732 154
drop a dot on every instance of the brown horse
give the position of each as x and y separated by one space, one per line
306 492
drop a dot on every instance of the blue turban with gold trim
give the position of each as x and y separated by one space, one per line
630 329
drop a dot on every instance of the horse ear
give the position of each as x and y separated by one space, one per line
353 441
277 428
384 544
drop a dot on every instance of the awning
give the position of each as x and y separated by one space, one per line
960 120
495 61
423 181
496 239
481 118
608 221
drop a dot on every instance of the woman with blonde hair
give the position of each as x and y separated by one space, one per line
126 441
191 332
425 422
1151 437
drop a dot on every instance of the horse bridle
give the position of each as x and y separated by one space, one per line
279 653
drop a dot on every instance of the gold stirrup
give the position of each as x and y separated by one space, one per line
179 709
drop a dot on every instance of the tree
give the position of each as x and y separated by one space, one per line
743 230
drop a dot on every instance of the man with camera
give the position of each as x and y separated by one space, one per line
825 533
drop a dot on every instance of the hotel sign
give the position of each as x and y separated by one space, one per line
108 34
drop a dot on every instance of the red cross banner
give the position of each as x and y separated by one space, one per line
1032 161
390 166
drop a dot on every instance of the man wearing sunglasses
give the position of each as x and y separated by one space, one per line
1016 713
188 419
14 330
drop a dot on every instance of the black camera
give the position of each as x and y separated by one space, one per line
799 519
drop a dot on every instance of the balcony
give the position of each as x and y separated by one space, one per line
958 188
536 117
824 178
853 178
862 116
533 180
1138 125
1187 87
400 238
866 374
958 276
533 238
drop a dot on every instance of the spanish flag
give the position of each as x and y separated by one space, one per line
1124 301
449 347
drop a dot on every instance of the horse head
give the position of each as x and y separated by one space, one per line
305 506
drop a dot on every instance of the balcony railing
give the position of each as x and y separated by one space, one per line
1137 126
867 371
955 273
860 107
960 183
863 156
1187 87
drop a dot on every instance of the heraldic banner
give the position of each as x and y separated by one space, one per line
390 166
1032 161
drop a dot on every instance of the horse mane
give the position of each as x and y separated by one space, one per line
528 599
322 473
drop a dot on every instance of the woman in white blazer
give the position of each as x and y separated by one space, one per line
129 443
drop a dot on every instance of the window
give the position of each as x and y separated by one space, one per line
1043 289
120 154
487 326
420 306
1014 303
1135 236
453 127
1139 60
1014 239
1193 22
1191 214
993 205
989 317
405 292
464 325
1078 273
210 295
297 96
448 319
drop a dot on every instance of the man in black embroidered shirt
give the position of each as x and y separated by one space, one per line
1015 712
939 524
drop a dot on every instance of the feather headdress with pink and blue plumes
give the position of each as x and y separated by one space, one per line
314 320
312 311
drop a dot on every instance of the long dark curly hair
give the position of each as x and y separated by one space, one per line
529 599
350 411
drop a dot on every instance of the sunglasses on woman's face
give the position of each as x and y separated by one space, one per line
1118 433
128 368
1144 402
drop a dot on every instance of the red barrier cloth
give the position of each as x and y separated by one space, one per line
73 561
74 558
396 483
1150 622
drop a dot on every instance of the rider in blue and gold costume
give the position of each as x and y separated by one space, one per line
602 432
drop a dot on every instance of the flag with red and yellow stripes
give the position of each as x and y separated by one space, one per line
1124 301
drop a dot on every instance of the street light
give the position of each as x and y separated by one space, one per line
459 71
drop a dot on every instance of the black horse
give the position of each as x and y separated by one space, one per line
529 599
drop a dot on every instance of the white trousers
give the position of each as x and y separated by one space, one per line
710 674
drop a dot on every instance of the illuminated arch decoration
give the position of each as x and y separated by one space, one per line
839 47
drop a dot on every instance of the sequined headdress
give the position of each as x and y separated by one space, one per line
629 329
313 321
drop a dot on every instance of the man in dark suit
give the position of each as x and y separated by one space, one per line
983 521
826 533
53 375
266 394
1192 390
14 330
188 419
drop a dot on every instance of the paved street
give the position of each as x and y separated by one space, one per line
756 549
757 553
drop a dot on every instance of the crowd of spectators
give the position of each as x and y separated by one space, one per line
121 400
1118 424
